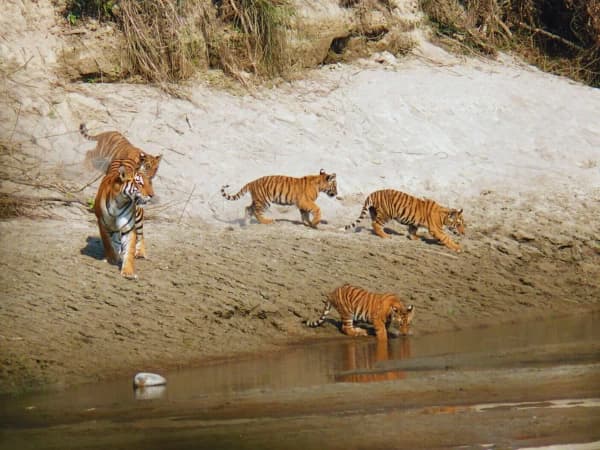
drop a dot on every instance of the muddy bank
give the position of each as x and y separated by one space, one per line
518 385
209 291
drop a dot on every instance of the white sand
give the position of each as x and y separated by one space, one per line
430 124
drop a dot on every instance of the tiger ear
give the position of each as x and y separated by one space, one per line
410 308
460 211
322 172
122 173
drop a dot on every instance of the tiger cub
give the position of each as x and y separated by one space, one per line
283 190
389 204
118 208
113 145
354 303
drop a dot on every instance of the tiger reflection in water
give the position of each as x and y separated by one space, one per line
361 363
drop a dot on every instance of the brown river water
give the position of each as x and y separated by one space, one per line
524 385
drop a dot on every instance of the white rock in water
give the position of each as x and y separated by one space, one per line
148 379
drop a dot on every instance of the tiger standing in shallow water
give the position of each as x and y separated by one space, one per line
354 303
283 190
112 145
389 204
117 206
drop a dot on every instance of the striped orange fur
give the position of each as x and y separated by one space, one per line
283 190
112 145
380 309
118 207
389 204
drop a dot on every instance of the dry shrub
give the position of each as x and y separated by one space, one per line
562 36
164 42
168 40
259 31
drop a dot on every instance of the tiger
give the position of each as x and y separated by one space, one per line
389 204
379 309
113 145
284 190
118 207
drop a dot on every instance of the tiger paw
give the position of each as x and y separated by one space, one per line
129 274
113 261
140 254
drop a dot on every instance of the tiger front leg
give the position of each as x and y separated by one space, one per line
445 240
380 330
140 245
311 208
412 232
109 250
305 216
128 244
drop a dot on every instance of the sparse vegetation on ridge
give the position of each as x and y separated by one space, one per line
560 36
168 41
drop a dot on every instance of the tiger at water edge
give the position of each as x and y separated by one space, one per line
112 145
380 309
119 209
389 204
284 190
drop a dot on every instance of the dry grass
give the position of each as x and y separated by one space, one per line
559 36
169 40
164 43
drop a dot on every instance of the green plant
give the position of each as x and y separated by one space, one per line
99 9
72 18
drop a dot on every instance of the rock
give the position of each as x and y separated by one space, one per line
145 379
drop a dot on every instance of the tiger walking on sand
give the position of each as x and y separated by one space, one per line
388 204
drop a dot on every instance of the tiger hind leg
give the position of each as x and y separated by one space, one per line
378 229
109 249
258 210
140 247
349 329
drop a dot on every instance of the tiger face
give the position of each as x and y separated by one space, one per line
149 164
136 185
403 317
455 221
328 183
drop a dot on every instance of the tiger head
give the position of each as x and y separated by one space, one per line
327 183
403 316
455 221
149 164
135 185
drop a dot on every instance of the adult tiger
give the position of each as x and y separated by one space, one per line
112 145
355 303
389 204
121 193
283 190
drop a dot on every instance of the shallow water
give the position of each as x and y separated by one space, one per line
316 368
